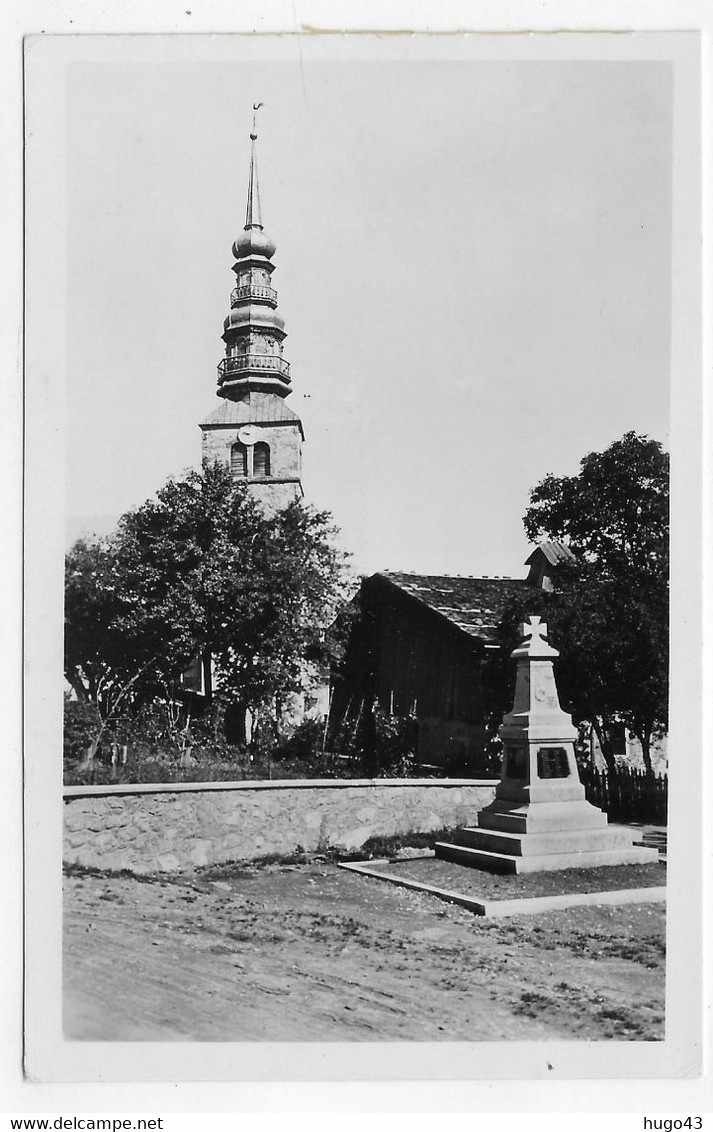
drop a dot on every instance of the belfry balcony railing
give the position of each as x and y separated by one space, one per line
240 362
252 291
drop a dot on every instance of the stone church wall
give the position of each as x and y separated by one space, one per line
284 442
275 496
180 826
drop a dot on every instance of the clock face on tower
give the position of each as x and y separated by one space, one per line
248 434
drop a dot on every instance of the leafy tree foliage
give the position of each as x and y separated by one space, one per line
201 568
122 636
81 724
609 614
614 513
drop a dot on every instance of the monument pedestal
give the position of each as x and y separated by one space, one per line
540 819
502 851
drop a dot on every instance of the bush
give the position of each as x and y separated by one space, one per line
305 742
144 729
396 744
163 730
161 766
302 753
81 724
162 744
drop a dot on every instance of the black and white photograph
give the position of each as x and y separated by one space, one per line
362 464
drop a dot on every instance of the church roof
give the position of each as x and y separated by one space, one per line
473 605
256 408
554 552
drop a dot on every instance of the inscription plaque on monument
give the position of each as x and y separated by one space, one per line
552 763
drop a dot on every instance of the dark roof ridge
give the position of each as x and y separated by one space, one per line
454 577
468 604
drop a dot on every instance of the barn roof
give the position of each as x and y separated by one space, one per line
473 605
554 552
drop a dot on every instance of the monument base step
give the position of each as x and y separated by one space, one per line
541 817
545 862
529 844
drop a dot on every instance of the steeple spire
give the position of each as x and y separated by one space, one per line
254 431
253 332
253 218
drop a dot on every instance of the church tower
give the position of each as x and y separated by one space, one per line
253 430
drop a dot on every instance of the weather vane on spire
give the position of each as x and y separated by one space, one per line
256 107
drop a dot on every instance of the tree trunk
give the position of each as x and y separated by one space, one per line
91 751
604 744
77 686
645 740
207 662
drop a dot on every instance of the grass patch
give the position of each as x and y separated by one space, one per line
477 883
389 846
75 870
81 872
373 847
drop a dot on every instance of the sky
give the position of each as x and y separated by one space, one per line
473 264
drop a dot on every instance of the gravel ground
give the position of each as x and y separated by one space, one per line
311 952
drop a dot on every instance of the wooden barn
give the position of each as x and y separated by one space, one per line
417 647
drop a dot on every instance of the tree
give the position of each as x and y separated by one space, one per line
609 614
614 513
119 637
200 567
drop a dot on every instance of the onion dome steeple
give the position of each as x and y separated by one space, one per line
253 430
253 332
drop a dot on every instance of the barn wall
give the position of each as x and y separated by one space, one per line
424 666
413 662
172 827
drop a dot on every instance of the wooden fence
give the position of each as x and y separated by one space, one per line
628 794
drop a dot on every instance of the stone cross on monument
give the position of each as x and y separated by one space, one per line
540 819
536 629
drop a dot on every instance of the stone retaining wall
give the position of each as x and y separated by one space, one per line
177 826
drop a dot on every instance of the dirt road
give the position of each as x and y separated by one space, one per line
314 953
